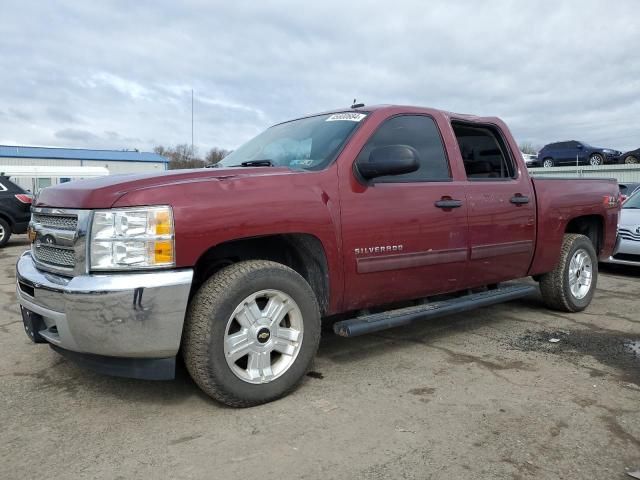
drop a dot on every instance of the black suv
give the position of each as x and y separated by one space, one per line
576 153
15 209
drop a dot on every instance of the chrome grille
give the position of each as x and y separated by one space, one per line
59 242
60 222
60 257
628 234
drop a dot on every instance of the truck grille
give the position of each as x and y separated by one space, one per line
628 234
56 235
59 257
67 222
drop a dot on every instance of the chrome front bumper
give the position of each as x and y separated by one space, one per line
133 315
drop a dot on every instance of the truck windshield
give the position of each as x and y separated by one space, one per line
308 143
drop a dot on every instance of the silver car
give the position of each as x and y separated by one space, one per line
629 233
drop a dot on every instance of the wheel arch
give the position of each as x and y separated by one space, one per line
7 219
302 252
591 226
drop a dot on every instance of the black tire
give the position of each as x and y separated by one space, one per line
206 326
630 159
554 286
5 232
596 159
548 163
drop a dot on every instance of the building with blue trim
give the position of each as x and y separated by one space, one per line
115 161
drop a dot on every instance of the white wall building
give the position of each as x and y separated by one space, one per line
115 161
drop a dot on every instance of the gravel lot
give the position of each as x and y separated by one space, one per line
480 395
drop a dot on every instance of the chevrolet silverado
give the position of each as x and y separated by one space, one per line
364 218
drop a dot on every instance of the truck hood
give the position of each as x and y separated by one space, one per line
103 192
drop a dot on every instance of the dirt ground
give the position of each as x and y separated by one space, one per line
513 391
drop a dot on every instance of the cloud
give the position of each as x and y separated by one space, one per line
76 135
121 85
553 70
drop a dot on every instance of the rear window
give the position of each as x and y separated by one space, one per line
484 152
7 185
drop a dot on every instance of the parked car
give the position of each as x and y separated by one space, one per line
628 249
15 209
361 216
630 157
573 152
530 160
627 189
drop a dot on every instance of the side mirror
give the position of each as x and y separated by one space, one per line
389 160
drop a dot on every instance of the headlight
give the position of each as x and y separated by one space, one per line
132 238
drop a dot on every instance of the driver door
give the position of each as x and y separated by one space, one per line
399 242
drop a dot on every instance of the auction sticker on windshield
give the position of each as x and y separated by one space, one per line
348 116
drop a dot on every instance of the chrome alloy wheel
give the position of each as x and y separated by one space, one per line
263 336
596 159
547 164
580 273
2 233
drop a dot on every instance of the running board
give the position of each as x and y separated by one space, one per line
403 316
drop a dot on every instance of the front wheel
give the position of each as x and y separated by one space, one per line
547 163
596 159
251 332
571 285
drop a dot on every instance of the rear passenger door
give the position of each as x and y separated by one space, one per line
501 206
571 153
399 240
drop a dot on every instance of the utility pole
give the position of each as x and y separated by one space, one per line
192 151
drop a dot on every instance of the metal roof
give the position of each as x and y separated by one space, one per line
80 154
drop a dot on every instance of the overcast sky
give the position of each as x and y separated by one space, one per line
114 74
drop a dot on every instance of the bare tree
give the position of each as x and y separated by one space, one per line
530 148
215 155
180 156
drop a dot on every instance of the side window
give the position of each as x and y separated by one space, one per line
419 132
484 152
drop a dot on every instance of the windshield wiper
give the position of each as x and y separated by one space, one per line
257 163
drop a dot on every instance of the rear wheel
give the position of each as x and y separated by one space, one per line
596 159
251 333
630 159
571 285
547 163
5 232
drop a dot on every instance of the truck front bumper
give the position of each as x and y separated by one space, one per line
124 319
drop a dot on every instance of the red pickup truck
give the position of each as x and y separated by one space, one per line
368 218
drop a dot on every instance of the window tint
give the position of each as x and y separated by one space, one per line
484 152
419 132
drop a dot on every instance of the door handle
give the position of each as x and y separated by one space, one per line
448 203
519 199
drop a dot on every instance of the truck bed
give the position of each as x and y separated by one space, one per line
561 199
